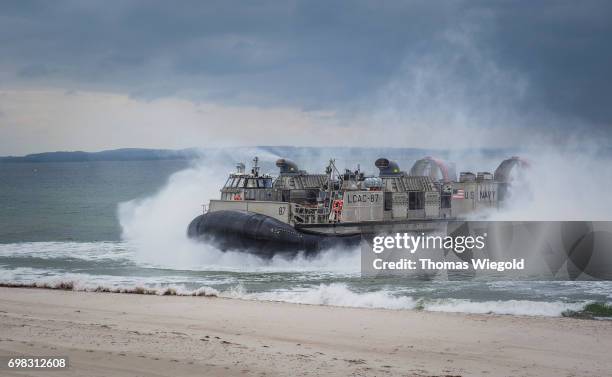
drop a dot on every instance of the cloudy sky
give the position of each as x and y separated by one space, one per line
93 75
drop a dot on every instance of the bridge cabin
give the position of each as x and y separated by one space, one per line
241 185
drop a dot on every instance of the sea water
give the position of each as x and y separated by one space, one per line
122 226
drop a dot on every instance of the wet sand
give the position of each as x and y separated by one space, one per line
106 334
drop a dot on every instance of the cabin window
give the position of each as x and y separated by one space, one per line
239 182
285 195
264 183
251 183
445 201
416 200
388 201
249 194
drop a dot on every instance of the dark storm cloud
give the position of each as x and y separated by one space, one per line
564 49
321 55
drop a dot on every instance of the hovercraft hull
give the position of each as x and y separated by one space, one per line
261 235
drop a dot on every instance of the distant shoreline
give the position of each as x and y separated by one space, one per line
144 154
125 154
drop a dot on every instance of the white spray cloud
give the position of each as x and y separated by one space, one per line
562 185
156 227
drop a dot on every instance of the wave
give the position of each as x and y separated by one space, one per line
91 251
512 307
198 257
160 291
82 281
335 294
339 294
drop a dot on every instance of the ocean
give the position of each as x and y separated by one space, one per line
120 226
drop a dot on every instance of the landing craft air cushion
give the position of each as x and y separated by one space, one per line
302 212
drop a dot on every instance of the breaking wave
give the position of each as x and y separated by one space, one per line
335 294
203 258
327 295
89 251
340 295
330 279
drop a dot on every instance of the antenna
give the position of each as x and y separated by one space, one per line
255 169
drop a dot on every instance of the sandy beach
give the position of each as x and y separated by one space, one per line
106 334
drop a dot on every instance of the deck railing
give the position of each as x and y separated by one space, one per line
309 215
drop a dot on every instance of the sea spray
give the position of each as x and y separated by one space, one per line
155 227
545 191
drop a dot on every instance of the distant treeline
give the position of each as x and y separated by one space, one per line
126 154
266 154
